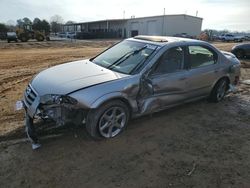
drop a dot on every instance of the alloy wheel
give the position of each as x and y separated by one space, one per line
112 122
221 91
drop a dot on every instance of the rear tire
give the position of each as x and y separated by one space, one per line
219 91
108 121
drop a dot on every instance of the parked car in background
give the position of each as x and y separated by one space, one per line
71 35
61 34
11 36
247 38
239 38
183 35
230 38
241 50
137 76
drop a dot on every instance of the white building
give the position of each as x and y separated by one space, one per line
122 28
167 25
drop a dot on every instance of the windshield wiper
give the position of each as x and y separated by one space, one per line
142 62
125 57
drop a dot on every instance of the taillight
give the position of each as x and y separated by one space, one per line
236 80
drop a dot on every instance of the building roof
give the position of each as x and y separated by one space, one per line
167 15
109 20
115 20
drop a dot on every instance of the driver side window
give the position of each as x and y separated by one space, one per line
171 61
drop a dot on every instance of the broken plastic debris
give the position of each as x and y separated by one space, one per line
19 105
36 146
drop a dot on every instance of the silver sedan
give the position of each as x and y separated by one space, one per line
137 76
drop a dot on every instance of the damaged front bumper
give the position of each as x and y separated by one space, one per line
59 108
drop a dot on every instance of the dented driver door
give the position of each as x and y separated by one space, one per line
166 85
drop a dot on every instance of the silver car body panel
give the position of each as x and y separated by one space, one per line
125 88
68 77
92 85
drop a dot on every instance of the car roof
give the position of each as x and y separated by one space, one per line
164 40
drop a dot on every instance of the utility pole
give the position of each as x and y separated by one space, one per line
163 21
124 14
196 13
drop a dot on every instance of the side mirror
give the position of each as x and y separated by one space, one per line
147 85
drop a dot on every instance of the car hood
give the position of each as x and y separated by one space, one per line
69 77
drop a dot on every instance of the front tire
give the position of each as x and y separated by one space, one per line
109 120
219 90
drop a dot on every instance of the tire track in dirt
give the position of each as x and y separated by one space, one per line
15 77
5 89
57 44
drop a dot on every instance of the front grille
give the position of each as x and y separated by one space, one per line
29 95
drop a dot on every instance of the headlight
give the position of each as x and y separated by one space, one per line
57 99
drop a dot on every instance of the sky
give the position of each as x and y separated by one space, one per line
232 15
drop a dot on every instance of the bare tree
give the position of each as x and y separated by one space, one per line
55 22
11 23
70 22
57 18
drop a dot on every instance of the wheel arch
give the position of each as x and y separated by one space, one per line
131 104
98 103
217 81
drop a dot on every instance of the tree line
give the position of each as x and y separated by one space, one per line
37 24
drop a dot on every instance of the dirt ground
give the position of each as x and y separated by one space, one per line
199 144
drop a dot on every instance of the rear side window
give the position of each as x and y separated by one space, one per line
200 56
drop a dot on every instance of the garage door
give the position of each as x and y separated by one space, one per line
135 26
152 27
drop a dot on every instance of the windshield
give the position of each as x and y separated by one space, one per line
125 56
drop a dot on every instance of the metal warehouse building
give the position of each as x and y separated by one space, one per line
122 28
